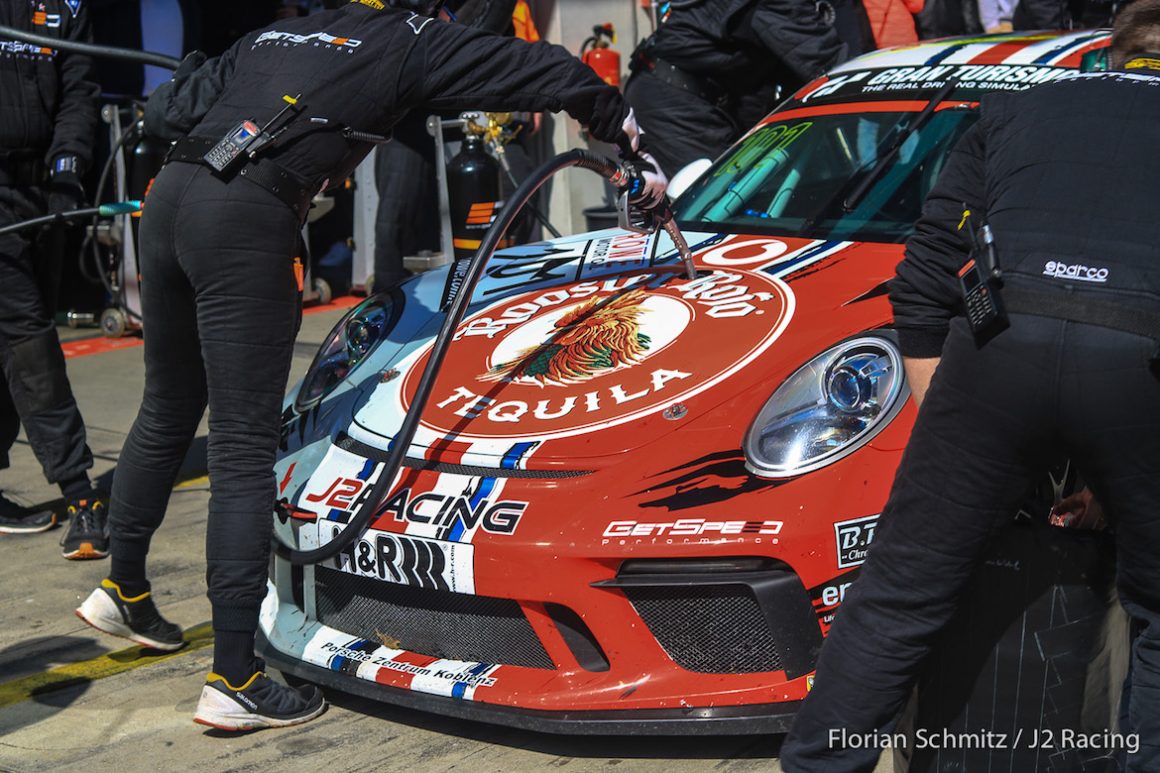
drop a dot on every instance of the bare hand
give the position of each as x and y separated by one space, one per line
1079 511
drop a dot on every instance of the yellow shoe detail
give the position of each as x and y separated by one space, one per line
107 583
219 678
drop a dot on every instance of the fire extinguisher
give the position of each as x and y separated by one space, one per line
597 53
473 188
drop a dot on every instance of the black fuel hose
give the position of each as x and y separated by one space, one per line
606 168
105 210
91 49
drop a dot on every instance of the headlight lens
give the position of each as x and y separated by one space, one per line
828 409
348 345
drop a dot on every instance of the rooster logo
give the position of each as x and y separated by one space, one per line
597 335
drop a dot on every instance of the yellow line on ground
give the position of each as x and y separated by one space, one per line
202 481
110 664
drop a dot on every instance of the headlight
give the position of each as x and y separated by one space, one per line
349 344
828 409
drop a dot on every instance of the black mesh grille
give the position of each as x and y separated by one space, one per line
714 629
456 626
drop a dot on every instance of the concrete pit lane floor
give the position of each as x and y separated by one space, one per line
74 699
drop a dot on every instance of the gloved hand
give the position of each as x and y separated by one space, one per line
65 191
632 133
647 183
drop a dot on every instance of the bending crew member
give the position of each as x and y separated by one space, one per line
221 284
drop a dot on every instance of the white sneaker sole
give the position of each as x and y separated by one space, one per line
39 528
101 613
222 712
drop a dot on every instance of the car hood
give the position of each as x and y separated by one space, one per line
580 350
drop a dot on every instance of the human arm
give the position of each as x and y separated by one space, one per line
75 122
995 15
451 67
1081 510
919 372
179 104
925 291
796 33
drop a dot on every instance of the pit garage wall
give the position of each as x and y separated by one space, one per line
568 23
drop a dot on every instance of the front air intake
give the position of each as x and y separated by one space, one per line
725 615
455 626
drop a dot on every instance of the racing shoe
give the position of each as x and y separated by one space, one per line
136 619
17 519
259 703
88 531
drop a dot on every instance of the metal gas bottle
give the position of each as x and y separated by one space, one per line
473 187
144 164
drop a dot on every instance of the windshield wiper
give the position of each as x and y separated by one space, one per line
886 156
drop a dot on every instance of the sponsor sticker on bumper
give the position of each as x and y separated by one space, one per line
409 560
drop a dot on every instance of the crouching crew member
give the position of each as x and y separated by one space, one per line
1065 175
713 69
48 120
221 283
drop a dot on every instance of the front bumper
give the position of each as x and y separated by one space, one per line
774 718
536 699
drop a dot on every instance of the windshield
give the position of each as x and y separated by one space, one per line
792 177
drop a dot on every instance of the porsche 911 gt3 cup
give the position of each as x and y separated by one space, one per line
635 499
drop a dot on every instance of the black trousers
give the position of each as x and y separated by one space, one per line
34 388
408 214
221 311
991 422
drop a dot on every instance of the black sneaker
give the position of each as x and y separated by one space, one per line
88 531
136 619
17 519
259 703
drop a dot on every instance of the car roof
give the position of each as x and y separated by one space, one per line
978 64
1057 49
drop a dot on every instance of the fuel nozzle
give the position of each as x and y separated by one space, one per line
643 218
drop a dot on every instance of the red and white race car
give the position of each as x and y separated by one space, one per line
635 501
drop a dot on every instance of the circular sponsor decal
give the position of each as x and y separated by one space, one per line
552 363
744 252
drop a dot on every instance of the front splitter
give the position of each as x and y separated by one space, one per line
774 718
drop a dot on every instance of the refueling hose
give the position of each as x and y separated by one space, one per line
105 210
399 445
91 49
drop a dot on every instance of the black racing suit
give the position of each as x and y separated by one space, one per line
48 118
407 220
1066 176
711 71
218 291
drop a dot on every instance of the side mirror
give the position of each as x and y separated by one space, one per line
684 179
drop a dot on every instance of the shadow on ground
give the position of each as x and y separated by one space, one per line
579 746
195 466
41 699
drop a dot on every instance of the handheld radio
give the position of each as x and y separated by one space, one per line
243 143
981 281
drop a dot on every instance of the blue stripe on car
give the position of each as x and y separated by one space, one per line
1061 50
460 688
